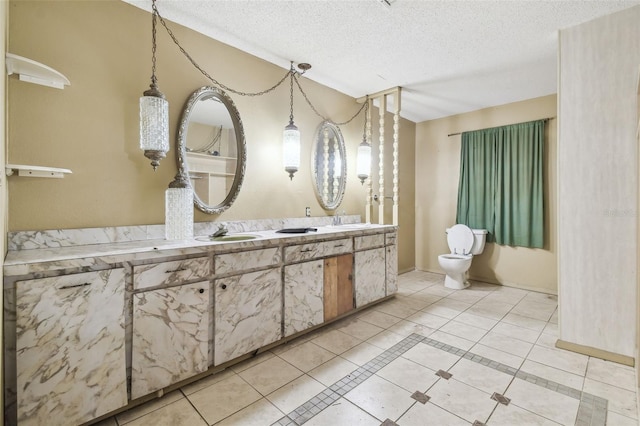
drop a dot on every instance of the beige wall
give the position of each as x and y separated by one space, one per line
91 127
437 171
598 180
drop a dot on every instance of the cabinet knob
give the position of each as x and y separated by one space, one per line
223 286
201 291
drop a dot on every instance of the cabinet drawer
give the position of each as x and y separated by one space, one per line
390 238
314 250
156 274
243 261
369 241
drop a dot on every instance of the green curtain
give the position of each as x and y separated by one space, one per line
501 183
477 185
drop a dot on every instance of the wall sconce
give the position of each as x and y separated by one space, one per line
154 112
291 138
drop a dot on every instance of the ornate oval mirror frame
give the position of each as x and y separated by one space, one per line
329 165
215 163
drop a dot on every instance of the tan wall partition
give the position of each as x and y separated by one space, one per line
598 184
437 172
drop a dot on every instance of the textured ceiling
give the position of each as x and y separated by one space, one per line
449 57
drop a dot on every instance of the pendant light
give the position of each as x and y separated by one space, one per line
154 111
363 162
363 167
291 138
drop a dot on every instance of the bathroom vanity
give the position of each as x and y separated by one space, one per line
100 320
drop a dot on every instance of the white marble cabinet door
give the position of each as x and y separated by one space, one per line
170 336
70 343
392 269
248 313
370 276
303 296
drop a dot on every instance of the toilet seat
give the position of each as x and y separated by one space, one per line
455 256
460 239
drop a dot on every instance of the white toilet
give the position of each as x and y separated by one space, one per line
464 242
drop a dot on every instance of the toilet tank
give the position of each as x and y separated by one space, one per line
480 236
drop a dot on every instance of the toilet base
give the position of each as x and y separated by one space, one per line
458 282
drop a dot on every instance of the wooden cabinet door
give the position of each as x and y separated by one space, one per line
70 348
248 313
303 307
338 286
170 336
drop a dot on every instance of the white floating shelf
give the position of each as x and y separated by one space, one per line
36 171
35 72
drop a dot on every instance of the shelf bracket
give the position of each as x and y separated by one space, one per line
36 171
34 72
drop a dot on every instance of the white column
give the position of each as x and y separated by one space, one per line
368 206
396 159
382 111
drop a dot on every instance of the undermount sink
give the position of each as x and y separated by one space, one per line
228 238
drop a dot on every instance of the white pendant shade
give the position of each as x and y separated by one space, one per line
291 149
154 127
363 166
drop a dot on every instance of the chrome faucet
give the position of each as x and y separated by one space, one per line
222 230
337 218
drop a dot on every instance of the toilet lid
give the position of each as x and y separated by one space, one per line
460 239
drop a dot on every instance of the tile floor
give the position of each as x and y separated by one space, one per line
430 356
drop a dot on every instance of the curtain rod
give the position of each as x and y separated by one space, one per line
459 133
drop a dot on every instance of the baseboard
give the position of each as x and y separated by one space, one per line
595 352
504 283
439 272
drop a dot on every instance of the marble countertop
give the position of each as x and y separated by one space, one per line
24 262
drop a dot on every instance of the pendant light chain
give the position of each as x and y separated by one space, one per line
366 110
306 98
199 68
154 80
292 74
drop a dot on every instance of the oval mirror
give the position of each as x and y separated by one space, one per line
328 165
212 149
